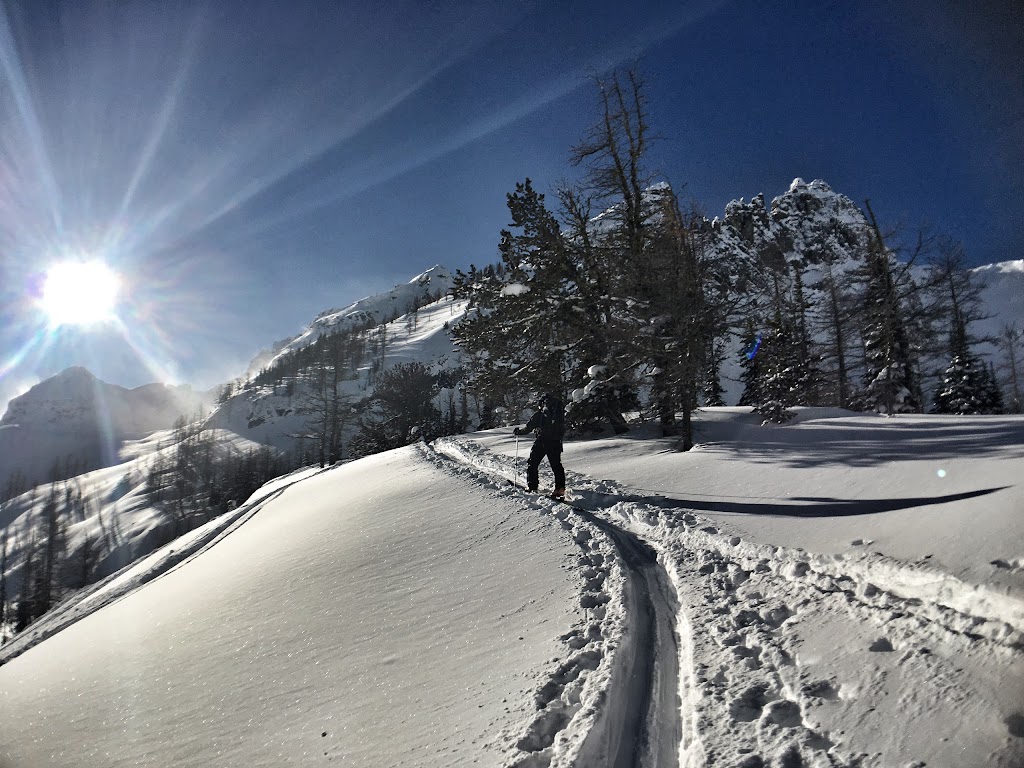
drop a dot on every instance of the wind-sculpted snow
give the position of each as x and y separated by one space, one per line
414 608
793 658
90 599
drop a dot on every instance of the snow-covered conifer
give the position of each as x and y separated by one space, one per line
891 379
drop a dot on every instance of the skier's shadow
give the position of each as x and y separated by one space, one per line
804 506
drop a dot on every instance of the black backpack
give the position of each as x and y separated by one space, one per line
554 412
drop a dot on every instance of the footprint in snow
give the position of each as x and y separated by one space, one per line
1015 725
881 645
784 713
749 705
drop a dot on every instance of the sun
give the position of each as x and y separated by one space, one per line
80 293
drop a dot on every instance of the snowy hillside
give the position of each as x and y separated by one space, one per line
372 310
280 416
1002 299
109 516
845 591
80 422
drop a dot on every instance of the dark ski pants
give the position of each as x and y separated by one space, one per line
554 453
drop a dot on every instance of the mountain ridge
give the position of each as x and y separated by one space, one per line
74 422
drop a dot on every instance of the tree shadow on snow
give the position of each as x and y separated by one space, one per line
810 506
831 443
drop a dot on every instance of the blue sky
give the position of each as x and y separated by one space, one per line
245 165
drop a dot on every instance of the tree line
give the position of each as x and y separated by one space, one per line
620 298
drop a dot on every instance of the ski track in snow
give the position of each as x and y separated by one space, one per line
571 695
757 620
640 725
635 722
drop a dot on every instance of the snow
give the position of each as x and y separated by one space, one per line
118 511
364 615
846 590
379 308
266 417
840 600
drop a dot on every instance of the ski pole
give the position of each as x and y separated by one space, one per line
516 465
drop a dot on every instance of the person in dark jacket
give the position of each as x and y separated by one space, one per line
548 424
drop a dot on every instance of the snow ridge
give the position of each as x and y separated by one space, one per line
376 309
90 599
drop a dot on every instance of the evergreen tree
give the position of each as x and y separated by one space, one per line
520 329
1011 341
678 316
835 318
590 303
806 375
891 379
3 584
993 392
403 410
780 372
712 390
26 610
963 387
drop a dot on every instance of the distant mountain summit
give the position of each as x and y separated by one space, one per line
380 308
74 422
278 402
808 224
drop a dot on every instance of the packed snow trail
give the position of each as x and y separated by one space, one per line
640 727
639 723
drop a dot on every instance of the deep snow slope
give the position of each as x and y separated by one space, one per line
376 309
391 611
117 515
851 587
412 608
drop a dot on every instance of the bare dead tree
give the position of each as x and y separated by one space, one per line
1011 339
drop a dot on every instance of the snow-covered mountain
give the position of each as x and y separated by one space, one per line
757 247
384 307
1002 290
805 226
843 591
407 324
73 422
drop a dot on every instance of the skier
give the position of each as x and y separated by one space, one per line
548 423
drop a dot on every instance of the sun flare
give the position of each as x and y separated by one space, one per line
80 293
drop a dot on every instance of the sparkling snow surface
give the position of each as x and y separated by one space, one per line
850 592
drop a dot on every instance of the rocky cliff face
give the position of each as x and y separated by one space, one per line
805 227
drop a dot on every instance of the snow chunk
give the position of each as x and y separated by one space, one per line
515 289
